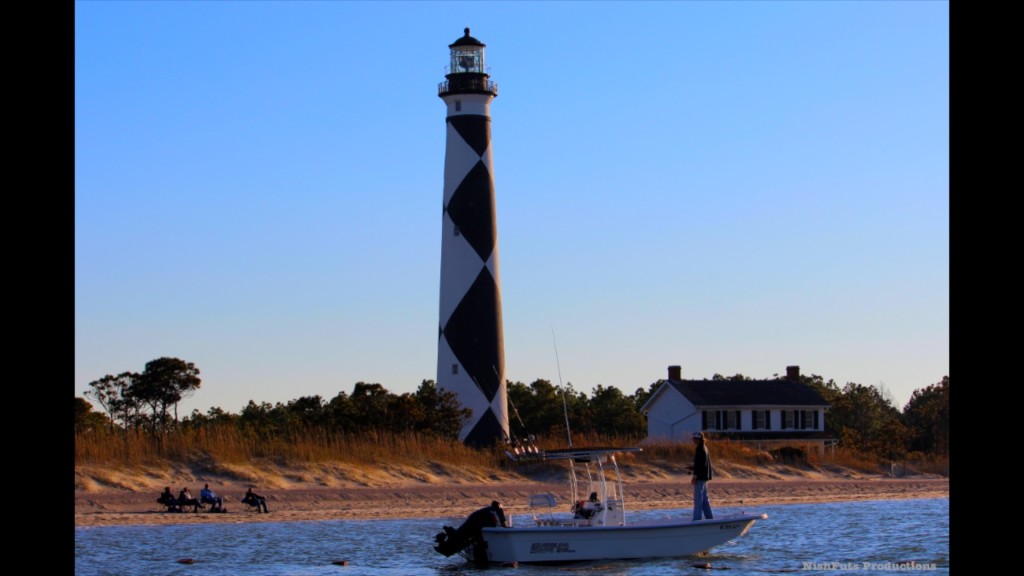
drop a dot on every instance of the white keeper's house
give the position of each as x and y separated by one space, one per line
769 414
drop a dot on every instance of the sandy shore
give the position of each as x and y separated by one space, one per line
454 501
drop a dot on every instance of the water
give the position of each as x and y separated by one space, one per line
838 538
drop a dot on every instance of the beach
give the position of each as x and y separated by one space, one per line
301 500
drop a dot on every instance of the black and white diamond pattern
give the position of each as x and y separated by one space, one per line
471 358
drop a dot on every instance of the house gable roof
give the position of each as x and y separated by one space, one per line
778 392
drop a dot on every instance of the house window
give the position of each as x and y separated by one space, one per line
720 419
789 419
731 419
455 368
455 230
458 105
800 419
762 419
808 419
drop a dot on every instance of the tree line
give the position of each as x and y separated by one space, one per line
863 418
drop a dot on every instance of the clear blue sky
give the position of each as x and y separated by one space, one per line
733 187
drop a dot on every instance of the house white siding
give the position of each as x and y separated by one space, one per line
672 416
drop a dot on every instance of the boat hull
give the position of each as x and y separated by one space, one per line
548 544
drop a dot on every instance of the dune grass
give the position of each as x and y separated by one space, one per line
226 445
214 446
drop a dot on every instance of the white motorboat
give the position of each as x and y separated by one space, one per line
595 528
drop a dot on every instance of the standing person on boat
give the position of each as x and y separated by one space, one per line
702 473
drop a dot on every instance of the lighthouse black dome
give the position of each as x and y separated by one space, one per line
466 40
467 71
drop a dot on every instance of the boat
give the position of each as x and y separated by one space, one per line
596 527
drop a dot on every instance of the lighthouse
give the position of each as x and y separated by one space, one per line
470 347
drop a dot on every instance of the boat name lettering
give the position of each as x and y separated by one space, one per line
729 526
550 548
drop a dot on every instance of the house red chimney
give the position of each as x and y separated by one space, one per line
793 373
675 373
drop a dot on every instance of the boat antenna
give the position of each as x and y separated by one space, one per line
514 410
565 407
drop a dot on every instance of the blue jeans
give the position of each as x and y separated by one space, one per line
700 500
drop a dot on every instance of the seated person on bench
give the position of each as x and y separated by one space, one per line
185 499
206 496
253 499
168 499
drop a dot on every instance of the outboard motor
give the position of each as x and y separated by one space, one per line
453 541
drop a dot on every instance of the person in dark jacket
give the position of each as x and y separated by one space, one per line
253 499
168 499
702 473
